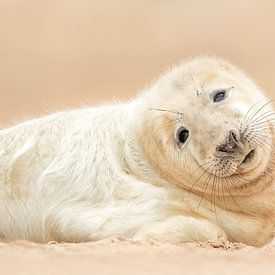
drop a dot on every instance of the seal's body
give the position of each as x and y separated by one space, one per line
190 159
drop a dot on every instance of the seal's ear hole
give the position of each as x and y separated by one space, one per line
182 135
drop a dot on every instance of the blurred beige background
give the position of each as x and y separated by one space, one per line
65 53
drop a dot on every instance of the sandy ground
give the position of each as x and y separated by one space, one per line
123 257
62 53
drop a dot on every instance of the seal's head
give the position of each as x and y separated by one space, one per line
207 124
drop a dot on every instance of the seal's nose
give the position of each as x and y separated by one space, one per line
231 144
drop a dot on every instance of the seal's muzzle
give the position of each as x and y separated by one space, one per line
231 145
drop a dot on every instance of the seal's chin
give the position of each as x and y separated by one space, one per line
252 164
242 163
248 162
248 158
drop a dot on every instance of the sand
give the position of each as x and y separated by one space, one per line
123 257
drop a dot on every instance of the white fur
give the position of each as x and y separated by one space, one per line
81 175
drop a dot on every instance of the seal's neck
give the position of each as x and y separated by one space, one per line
135 160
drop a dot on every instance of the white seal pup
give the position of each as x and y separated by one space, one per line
189 159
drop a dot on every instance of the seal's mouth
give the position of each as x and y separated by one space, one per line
249 157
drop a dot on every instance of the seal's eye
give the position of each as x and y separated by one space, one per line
182 135
219 95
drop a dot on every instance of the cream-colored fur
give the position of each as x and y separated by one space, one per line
114 170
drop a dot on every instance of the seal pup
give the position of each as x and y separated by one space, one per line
189 159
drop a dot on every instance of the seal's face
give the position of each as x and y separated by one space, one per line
210 126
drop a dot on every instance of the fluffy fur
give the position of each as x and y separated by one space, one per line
94 173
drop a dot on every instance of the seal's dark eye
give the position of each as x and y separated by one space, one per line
219 95
182 135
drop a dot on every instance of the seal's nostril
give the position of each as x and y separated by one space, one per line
233 137
222 148
231 144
